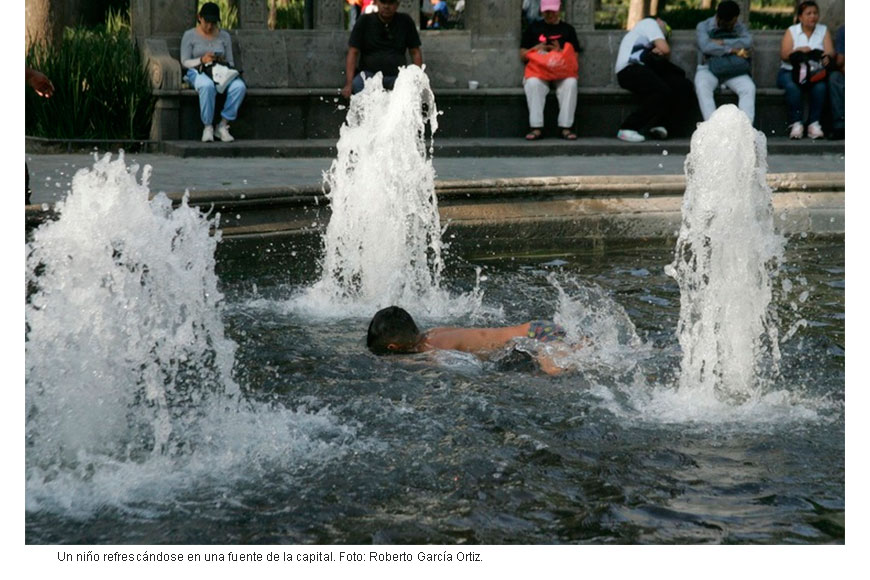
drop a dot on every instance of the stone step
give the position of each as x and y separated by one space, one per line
485 147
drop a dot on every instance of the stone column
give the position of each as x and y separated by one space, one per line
580 13
744 11
494 22
412 8
161 17
329 15
253 14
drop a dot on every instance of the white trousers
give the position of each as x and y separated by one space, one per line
536 97
706 82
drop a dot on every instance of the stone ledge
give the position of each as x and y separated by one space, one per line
331 92
576 208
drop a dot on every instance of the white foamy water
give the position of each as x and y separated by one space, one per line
129 377
726 257
383 242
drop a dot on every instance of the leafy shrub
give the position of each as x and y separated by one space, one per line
688 18
102 90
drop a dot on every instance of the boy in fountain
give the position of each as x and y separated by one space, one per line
393 331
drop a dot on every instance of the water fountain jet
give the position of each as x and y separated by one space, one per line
727 256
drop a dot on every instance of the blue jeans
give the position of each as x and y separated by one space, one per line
817 93
837 85
359 81
204 86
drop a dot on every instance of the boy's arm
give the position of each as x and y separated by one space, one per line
416 56
474 339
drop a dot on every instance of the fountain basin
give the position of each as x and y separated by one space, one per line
590 209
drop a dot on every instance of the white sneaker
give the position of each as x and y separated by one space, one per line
208 134
659 132
814 131
797 131
223 133
630 136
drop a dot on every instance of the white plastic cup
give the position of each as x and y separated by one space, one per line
473 85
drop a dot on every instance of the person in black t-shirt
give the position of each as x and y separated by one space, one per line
378 43
546 35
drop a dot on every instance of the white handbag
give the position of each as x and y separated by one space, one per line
222 76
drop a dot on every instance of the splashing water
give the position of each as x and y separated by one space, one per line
726 256
383 242
125 307
129 376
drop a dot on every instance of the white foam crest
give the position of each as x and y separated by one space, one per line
125 305
600 334
726 254
665 404
436 305
233 448
382 245
129 389
384 235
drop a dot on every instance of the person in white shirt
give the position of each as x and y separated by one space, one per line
804 37
643 67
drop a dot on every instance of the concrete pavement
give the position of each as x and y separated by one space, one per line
51 173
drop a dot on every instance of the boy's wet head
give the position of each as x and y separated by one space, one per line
392 330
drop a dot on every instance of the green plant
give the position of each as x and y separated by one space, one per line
685 14
290 14
688 18
770 20
102 90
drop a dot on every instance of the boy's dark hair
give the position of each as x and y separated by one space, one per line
728 10
392 325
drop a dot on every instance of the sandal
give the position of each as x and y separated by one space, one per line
569 135
534 135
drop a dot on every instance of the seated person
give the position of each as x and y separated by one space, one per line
806 36
643 67
723 36
545 36
201 47
531 11
393 331
837 85
437 18
377 44
354 9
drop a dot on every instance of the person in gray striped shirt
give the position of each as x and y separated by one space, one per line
202 47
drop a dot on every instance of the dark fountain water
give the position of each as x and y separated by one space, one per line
168 404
